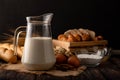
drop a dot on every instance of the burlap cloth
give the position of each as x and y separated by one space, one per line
55 72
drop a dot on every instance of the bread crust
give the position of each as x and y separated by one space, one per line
7 52
7 55
77 35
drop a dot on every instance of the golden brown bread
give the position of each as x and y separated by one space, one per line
7 55
71 38
11 47
76 35
62 37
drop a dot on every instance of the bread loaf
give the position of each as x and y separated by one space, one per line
11 47
7 55
77 35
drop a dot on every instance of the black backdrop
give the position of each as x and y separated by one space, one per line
98 15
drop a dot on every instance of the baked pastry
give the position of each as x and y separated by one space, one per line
11 47
76 35
7 55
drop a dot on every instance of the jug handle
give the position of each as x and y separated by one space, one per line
17 32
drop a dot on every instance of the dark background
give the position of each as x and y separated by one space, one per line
98 15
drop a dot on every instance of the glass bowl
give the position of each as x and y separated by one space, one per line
93 56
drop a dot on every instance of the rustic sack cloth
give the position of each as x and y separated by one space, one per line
20 68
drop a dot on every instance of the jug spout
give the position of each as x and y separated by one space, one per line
45 18
48 17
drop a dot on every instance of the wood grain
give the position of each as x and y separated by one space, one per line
68 45
110 70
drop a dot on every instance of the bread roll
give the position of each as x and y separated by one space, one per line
92 34
19 50
11 47
71 38
84 34
62 37
7 55
77 35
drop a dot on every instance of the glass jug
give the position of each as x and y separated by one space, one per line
38 51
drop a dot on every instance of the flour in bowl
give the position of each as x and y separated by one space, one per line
89 59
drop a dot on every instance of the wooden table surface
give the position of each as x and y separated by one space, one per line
110 70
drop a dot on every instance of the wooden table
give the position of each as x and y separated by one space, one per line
109 70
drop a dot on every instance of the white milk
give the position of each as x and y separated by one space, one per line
38 53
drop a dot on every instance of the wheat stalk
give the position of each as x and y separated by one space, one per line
9 37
